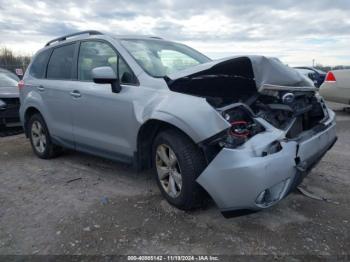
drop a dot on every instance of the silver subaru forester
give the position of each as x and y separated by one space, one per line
244 130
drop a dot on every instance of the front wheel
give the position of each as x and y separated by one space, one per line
40 138
178 162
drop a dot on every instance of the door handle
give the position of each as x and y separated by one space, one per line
41 88
75 94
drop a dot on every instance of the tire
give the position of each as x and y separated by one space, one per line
43 147
190 163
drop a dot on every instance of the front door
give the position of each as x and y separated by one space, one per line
103 121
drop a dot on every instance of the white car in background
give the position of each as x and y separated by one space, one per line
336 87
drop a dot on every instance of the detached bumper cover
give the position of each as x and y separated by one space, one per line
243 178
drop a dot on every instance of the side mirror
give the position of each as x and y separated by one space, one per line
106 75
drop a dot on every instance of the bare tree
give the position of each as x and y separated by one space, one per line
10 61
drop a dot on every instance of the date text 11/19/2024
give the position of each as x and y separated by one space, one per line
173 258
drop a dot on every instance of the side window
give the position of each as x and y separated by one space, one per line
61 63
39 64
95 54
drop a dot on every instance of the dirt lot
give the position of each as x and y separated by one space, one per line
111 209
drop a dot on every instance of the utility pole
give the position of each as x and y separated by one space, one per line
313 62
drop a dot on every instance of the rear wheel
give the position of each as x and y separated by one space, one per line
40 138
178 162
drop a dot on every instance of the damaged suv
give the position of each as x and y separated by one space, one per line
245 130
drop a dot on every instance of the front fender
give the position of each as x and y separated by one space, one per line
193 115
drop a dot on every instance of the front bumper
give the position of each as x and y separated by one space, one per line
246 178
9 116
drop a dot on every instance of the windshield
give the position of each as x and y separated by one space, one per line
160 58
6 81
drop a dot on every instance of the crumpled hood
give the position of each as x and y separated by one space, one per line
237 77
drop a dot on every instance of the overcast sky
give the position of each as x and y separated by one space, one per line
295 31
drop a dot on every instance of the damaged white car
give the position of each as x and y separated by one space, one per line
245 130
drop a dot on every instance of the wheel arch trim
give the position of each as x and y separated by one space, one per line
148 131
28 111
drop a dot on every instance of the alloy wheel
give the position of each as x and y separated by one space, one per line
38 137
168 169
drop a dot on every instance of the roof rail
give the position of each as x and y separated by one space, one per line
63 38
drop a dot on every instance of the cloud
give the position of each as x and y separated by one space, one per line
295 31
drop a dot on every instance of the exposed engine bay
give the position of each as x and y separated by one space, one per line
301 112
292 112
245 89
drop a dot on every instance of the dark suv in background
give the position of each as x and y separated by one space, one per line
316 75
9 100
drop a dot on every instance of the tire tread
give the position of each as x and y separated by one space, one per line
52 149
193 162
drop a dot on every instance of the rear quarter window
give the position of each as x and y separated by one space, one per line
38 67
61 63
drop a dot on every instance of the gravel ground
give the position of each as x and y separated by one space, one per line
79 204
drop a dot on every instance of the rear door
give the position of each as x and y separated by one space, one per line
57 88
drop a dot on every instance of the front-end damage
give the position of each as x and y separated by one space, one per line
266 167
279 129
